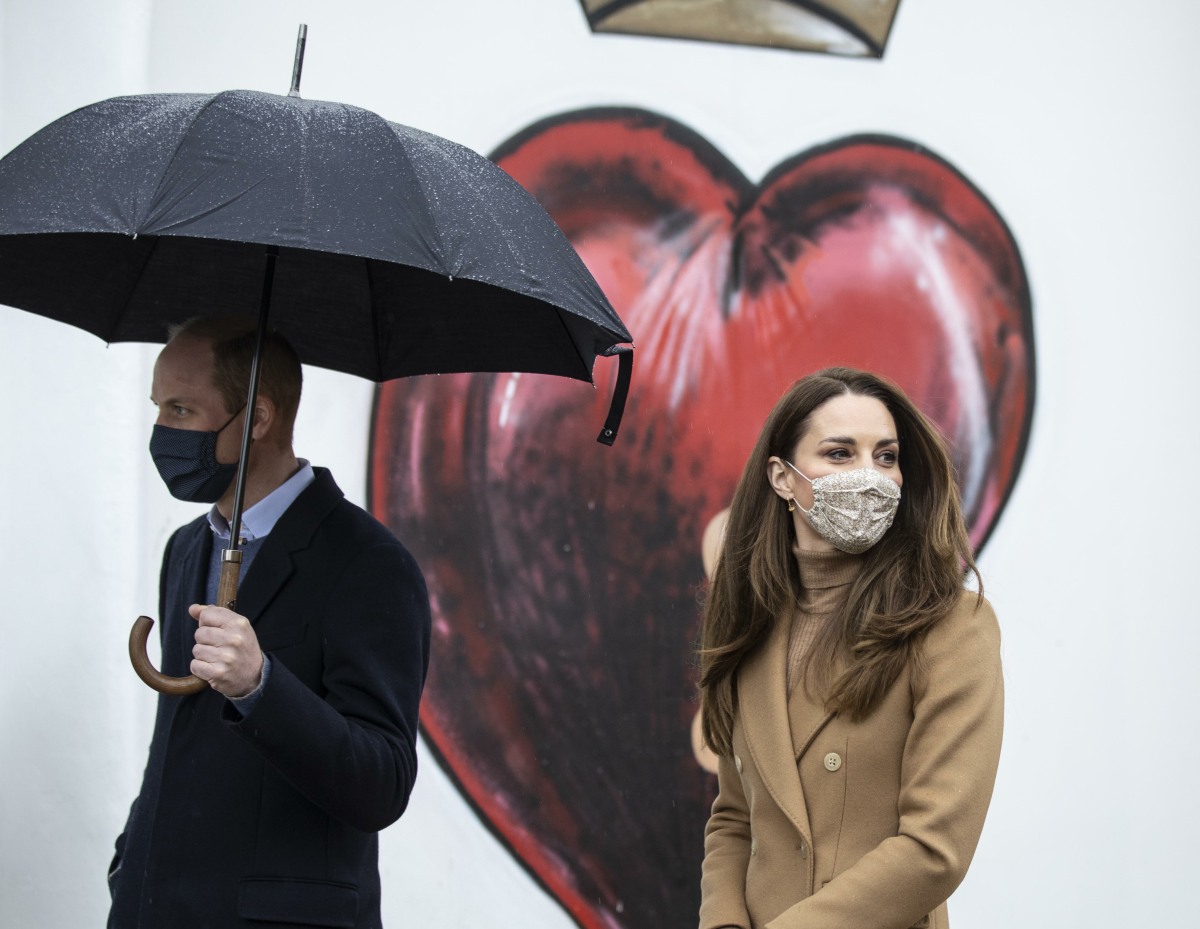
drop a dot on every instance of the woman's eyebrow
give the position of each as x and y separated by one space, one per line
850 440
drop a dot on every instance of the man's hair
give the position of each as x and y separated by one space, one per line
233 340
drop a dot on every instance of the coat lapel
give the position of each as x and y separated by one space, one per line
763 710
807 715
806 718
268 573
275 561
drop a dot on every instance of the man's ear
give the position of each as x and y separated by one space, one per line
264 417
779 476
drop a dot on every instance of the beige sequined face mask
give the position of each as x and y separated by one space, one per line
851 509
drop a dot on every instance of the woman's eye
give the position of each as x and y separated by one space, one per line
838 454
888 458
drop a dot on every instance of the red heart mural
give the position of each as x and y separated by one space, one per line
564 576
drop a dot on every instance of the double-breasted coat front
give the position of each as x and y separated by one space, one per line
822 822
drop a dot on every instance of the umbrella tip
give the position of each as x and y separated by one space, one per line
298 64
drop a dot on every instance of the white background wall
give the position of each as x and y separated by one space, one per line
1078 118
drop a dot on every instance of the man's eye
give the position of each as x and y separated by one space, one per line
180 411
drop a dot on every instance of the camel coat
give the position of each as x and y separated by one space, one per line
824 823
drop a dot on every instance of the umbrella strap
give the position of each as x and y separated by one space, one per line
616 409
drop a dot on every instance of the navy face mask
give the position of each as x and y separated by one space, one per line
187 462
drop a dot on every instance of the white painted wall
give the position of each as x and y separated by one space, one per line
1077 119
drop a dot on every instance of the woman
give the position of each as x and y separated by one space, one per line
849 684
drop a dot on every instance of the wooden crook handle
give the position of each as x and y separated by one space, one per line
151 676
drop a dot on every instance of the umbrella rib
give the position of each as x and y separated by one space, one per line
432 225
215 208
178 145
137 283
578 354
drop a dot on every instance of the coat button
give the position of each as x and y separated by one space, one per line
833 761
754 846
737 763
803 849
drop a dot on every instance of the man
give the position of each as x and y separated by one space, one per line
263 794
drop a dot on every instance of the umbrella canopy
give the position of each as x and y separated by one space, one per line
376 249
399 252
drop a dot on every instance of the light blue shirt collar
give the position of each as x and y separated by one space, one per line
261 518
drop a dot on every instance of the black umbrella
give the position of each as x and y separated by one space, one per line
375 248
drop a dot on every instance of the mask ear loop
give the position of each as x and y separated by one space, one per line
231 418
792 504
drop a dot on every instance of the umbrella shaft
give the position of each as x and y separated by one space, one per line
239 492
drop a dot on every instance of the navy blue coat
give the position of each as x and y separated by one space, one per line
274 817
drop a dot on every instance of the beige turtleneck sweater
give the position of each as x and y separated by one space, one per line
825 579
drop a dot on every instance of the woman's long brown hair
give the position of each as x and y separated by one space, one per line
910 579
